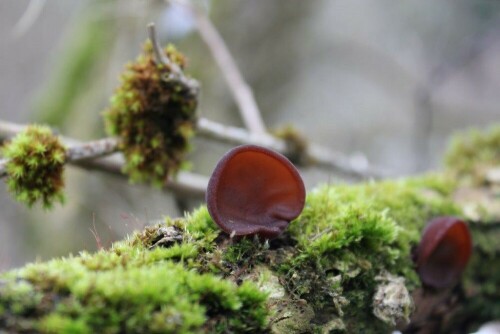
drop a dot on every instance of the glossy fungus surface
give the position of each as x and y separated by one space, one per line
443 252
254 191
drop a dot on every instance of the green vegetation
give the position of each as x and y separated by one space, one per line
154 117
344 265
349 235
35 166
473 153
185 276
129 288
296 144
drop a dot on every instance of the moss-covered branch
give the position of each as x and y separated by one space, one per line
343 266
184 276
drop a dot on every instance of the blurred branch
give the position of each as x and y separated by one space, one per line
91 150
241 91
317 155
28 18
76 150
256 134
89 155
176 72
160 57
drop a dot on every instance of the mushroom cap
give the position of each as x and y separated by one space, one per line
443 252
254 191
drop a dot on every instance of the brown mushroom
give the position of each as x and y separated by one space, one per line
254 191
443 252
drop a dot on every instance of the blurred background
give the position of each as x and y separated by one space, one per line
386 81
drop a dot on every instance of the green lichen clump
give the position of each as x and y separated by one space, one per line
473 153
35 166
186 276
154 116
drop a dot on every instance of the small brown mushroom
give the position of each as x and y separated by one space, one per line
254 191
443 252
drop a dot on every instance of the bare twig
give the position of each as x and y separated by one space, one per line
176 73
256 134
316 154
237 136
3 166
184 184
160 57
28 18
76 150
92 150
86 154
90 156
241 91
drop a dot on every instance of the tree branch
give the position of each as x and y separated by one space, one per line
176 73
29 17
242 93
93 149
256 134
90 155
318 155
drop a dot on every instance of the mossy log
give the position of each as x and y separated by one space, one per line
343 266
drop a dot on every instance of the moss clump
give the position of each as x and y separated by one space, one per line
154 116
473 153
160 298
185 276
296 144
130 288
35 166
348 235
482 280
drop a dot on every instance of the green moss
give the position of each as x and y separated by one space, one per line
472 153
185 276
481 283
35 168
142 293
296 144
56 323
347 235
153 116
139 285
482 277
470 158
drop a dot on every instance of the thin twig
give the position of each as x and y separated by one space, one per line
241 91
176 73
85 154
93 149
77 151
160 57
184 184
237 136
318 155
29 17
3 167
257 135
90 156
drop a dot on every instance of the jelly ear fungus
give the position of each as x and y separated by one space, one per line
443 252
254 191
